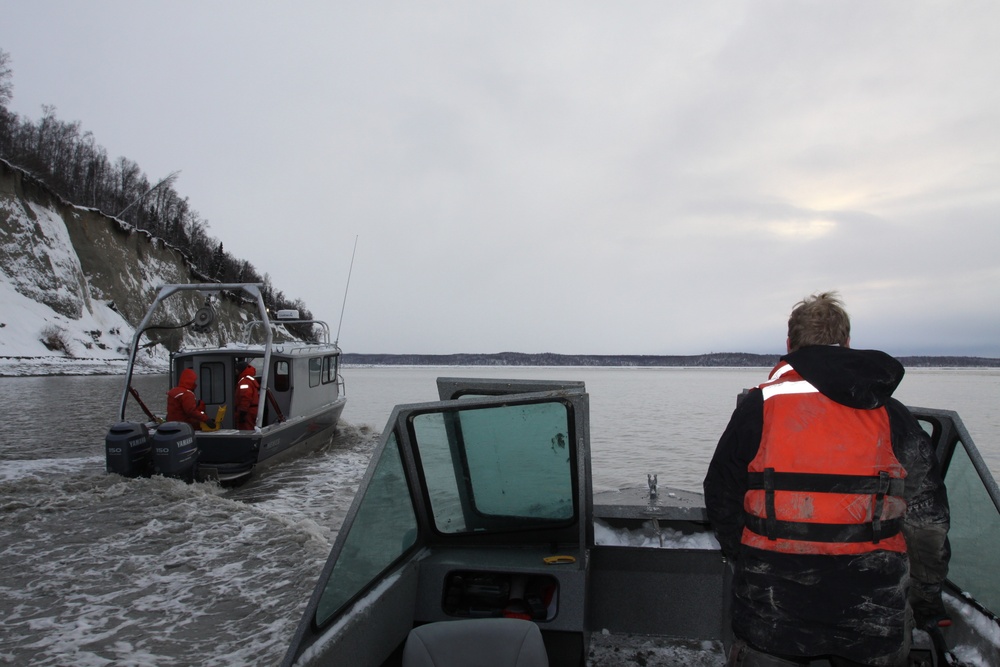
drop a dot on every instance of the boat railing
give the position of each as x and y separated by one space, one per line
249 327
311 349
974 501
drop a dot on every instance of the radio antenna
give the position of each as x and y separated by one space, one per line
347 287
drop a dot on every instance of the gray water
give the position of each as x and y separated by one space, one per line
668 420
98 570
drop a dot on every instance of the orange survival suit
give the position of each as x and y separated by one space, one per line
247 399
182 405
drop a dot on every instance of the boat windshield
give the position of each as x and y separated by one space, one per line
382 530
499 468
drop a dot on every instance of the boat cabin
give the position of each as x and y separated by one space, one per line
300 379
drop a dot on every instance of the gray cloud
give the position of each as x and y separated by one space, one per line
569 177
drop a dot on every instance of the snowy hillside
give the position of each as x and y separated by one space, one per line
49 323
93 343
73 279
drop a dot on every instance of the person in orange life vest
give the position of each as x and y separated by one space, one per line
826 497
183 406
247 398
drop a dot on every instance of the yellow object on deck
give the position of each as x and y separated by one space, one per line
556 560
219 415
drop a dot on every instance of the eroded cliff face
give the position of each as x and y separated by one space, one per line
33 247
92 276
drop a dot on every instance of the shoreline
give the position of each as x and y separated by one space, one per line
24 366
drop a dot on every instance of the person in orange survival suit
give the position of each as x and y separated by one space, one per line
247 399
825 495
183 406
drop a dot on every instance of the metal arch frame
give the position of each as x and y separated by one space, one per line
166 291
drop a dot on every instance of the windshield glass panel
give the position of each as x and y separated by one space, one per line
498 468
383 529
974 533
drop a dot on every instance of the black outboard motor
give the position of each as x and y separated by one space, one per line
128 450
175 452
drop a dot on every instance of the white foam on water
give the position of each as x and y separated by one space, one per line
97 569
651 538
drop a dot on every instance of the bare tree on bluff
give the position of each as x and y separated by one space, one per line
6 79
6 93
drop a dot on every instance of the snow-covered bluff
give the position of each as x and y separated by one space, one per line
74 282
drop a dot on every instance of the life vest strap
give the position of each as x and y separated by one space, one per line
826 483
823 532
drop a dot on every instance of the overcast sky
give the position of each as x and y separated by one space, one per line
662 177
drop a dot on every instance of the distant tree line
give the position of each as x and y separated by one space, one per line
715 359
78 169
711 360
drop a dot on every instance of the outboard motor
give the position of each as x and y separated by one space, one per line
128 450
175 452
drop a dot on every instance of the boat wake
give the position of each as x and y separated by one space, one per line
99 569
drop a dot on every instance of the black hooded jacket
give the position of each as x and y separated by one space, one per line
853 606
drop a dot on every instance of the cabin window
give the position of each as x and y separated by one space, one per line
330 369
212 383
974 533
498 468
281 373
315 371
383 529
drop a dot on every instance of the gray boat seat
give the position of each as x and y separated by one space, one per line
476 642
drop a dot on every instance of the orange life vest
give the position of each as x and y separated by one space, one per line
825 479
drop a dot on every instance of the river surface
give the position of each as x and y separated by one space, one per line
100 570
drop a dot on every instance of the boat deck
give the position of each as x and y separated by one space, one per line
621 650
624 650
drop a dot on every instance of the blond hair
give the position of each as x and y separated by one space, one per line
819 320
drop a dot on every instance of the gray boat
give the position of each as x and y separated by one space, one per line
475 536
300 401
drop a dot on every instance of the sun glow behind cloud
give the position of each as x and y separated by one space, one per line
806 229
